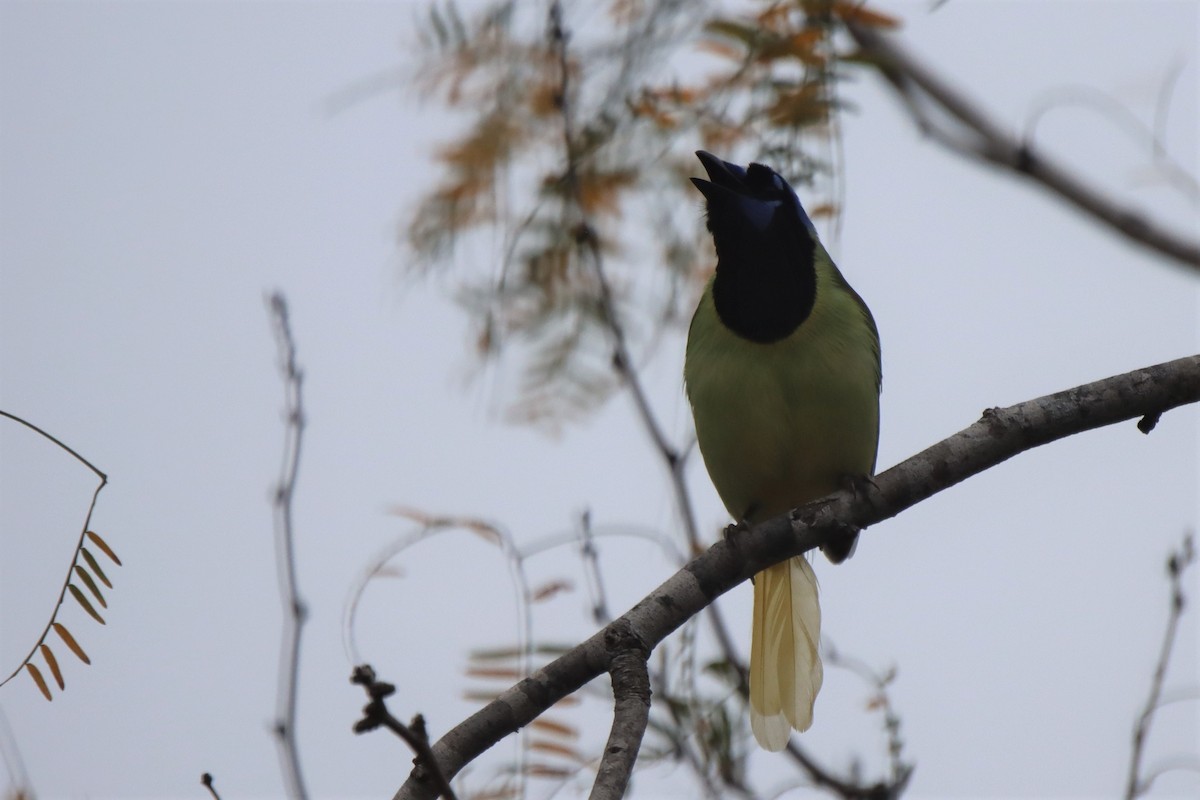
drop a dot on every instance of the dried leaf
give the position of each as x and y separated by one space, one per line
555 727
547 771
95 567
52 663
822 210
95 537
70 642
83 601
496 654
746 34
722 49
36 674
91 585
484 530
548 590
600 192
545 746
499 673
857 13
503 793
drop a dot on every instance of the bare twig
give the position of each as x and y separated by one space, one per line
376 715
631 711
1177 565
591 570
900 771
999 435
842 788
1125 119
206 780
983 138
295 612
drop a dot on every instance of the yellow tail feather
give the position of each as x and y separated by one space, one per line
785 665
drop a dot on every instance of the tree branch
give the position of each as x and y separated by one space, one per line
285 551
376 715
999 435
1177 564
631 711
988 140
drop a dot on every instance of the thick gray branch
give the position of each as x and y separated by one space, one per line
990 141
999 435
631 712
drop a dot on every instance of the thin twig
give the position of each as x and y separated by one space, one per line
206 780
1177 565
376 715
998 436
591 570
900 771
295 612
988 140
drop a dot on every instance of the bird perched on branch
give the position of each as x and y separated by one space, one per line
783 375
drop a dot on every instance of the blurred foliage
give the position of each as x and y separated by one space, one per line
580 121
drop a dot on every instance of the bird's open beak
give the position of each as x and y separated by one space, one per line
720 173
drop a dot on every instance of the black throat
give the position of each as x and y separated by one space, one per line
766 282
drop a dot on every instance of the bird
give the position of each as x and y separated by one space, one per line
782 371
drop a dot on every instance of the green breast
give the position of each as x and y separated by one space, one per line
784 423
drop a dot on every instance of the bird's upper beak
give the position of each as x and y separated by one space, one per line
728 195
721 174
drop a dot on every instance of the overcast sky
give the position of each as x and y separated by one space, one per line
163 165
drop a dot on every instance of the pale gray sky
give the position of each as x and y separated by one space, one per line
162 165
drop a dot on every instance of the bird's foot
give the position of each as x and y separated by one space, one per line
733 530
859 485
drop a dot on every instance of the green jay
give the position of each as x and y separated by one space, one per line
783 375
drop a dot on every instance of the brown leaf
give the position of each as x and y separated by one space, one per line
547 771
52 663
108 551
548 590
721 49
545 746
857 13
36 674
91 585
95 567
503 793
822 210
500 673
555 727
83 601
70 642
